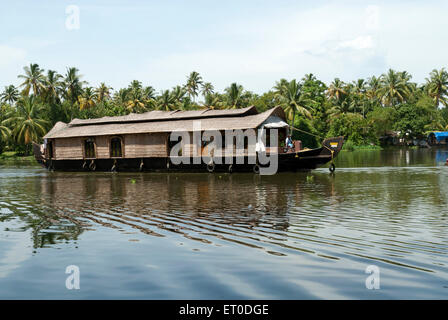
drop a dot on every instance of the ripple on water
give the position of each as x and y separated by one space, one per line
391 216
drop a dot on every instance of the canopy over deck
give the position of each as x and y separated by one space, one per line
439 135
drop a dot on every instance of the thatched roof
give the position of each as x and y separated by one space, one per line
59 126
167 115
164 121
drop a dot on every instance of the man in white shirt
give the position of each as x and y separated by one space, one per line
289 144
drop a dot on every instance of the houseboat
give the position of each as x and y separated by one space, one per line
143 142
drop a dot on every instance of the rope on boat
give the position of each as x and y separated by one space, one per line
306 132
314 135
317 136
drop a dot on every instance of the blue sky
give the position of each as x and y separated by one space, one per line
254 43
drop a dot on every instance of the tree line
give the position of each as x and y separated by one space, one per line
363 110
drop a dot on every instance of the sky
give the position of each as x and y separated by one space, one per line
253 43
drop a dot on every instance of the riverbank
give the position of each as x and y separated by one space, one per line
349 146
13 155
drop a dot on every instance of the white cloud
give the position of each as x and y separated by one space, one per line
12 60
324 41
10 55
372 17
412 37
361 42
342 39
334 40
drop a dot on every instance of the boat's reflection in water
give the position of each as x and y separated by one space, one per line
285 227
295 235
242 208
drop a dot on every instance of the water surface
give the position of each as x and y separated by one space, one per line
220 236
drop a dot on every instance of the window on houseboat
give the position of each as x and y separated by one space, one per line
115 148
89 148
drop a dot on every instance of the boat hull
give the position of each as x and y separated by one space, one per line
292 161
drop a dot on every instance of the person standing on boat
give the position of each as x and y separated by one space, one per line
289 144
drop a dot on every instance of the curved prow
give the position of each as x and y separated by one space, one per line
39 153
332 146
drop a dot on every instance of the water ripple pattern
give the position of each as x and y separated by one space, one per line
291 236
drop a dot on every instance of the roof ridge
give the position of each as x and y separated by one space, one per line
159 115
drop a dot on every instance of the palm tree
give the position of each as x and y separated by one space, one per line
87 99
135 85
103 92
359 87
405 76
394 88
26 121
280 86
341 108
53 85
294 100
411 87
309 77
234 96
437 86
186 104
136 101
212 101
178 93
207 88
337 90
149 97
358 90
73 84
10 94
193 83
33 79
373 85
149 93
4 132
122 96
166 101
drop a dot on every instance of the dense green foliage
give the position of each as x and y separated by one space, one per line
362 110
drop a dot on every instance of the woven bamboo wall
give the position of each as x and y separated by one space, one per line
68 148
145 145
188 147
134 146
102 147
